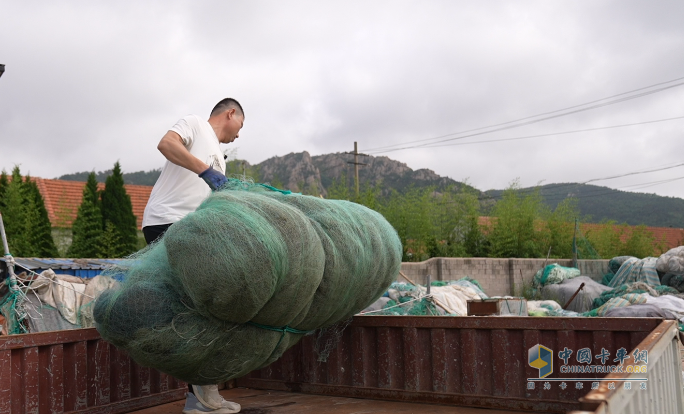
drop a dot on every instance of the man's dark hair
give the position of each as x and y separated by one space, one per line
226 104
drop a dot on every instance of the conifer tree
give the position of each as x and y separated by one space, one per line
13 214
26 221
87 228
118 211
37 226
4 182
109 244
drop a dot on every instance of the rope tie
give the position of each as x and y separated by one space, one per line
277 189
283 329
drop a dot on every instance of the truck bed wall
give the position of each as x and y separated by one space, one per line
469 361
76 371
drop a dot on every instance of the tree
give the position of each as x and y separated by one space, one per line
339 189
558 229
37 226
513 232
640 243
117 210
4 183
26 221
475 244
87 228
13 214
238 169
109 244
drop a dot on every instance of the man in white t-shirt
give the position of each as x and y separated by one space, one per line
194 168
193 160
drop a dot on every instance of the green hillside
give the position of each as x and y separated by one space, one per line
301 172
597 204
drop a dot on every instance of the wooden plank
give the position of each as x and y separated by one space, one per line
134 404
439 360
500 362
47 338
120 379
163 382
358 360
17 382
51 380
411 374
75 376
99 390
140 381
154 381
385 358
31 374
469 362
454 373
567 339
509 322
6 381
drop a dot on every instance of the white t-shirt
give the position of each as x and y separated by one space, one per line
179 191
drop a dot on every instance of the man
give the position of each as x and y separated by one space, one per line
195 166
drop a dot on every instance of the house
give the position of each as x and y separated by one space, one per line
63 197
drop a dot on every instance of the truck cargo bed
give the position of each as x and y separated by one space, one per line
280 402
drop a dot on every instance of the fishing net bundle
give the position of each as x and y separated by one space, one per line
234 284
554 273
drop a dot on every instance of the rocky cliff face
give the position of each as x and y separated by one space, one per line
301 172
295 172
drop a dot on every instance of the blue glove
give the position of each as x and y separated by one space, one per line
215 179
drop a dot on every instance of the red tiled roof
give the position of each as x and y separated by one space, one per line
62 199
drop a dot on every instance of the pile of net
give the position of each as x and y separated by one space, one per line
554 273
636 270
671 266
548 308
445 298
668 270
49 302
234 284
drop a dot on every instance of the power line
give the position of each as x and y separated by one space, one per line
633 173
555 133
389 148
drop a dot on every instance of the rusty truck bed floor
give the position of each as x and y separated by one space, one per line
278 402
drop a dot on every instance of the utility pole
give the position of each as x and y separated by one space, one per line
574 247
356 166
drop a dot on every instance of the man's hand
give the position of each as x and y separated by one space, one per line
215 179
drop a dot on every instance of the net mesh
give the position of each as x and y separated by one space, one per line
234 284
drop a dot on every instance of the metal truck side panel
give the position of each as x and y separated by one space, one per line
472 361
663 393
76 372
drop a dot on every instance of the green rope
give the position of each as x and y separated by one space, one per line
13 326
277 189
283 329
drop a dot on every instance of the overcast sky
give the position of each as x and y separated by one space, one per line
90 83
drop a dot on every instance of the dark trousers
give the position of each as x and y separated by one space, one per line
152 233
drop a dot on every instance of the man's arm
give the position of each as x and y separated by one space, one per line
171 146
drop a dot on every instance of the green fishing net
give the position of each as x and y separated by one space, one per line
234 284
637 287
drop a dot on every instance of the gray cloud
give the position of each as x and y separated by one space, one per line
87 84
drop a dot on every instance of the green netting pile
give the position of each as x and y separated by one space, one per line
234 284
554 273
638 287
